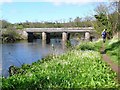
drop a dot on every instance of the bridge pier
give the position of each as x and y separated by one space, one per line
64 36
87 36
43 36
46 37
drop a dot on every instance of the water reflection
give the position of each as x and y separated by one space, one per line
43 43
64 45
24 52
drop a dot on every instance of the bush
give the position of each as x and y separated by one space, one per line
90 45
10 36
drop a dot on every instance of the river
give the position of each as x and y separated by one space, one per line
24 52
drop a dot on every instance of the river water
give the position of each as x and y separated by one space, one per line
25 52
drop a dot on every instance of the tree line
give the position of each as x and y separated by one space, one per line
77 22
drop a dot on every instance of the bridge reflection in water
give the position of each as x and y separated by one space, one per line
63 43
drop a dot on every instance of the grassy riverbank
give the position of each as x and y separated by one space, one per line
74 69
112 49
95 46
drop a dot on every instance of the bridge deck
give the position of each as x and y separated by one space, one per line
90 29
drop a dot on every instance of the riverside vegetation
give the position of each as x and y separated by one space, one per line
112 49
81 67
10 36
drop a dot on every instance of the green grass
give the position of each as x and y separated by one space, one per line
90 45
75 69
112 49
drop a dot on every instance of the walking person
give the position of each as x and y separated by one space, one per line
104 34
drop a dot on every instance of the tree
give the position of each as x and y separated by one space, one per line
87 22
77 21
101 17
106 17
70 22
115 16
5 24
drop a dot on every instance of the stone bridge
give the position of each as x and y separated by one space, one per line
65 32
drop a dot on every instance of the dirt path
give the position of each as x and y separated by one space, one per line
113 66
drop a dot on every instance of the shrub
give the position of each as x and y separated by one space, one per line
90 45
10 36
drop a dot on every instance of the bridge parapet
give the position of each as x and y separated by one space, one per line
89 29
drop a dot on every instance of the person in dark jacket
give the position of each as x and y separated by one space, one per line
104 34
